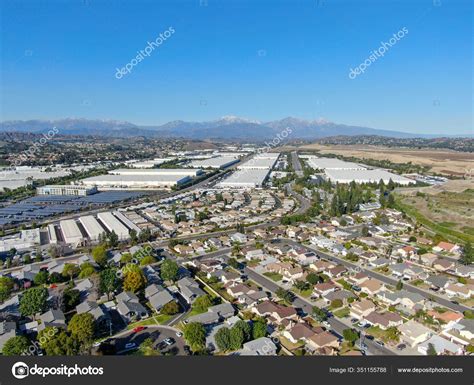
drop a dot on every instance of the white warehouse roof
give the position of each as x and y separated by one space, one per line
113 224
365 176
217 162
333 164
262 162
92 227
136 181
71 232
245 179
157 171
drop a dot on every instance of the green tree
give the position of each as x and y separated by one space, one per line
58 344
202 303
147 260
350 335
319 314
33 301
431 351
170 308
246 329
284 294
195 335
70 270
108 281
70 298
6 287
41 278
169 270
86 270
468 254
99 253
82 327
16 346
222 339
237 338
133 280
313 278
399 285
259 329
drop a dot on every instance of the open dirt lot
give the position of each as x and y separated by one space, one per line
441 161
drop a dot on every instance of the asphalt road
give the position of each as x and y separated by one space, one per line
296 163
156 332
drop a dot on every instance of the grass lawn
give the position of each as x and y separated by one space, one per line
380 334
273 276
342 313
145 322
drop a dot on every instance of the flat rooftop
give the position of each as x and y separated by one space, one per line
365 176
156 171
333 164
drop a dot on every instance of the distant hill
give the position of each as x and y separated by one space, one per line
227 127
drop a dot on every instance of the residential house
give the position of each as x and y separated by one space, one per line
447 248
262 346
441 345
189 289
459 290
361 309
414 333
384 320
372 286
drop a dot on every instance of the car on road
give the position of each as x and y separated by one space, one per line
179 334
380 343
401 347
139 329
130 345
356 288
354 320
326 323
455 302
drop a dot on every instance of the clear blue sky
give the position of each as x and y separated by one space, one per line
258 59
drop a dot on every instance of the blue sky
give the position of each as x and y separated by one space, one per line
263 60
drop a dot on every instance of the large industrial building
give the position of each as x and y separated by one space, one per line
66 190
245 179
365 176
127 222
71 232
157 171
92 227
218 162
151 163
136 182
113 224
332 164
264 161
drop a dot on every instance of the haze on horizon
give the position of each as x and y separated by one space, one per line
252 60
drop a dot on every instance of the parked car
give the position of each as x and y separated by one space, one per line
380 343
169 341
179 334
401 347
139 329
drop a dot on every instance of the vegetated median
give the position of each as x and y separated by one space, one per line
438 228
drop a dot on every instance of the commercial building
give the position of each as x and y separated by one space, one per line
264 161
157 172
218 162
365 176
151 163
245 179
53 238
66 190
113 224
23 240
332 164
71 232
92 227
136 182
127 222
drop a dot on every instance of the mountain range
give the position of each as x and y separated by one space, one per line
227 128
